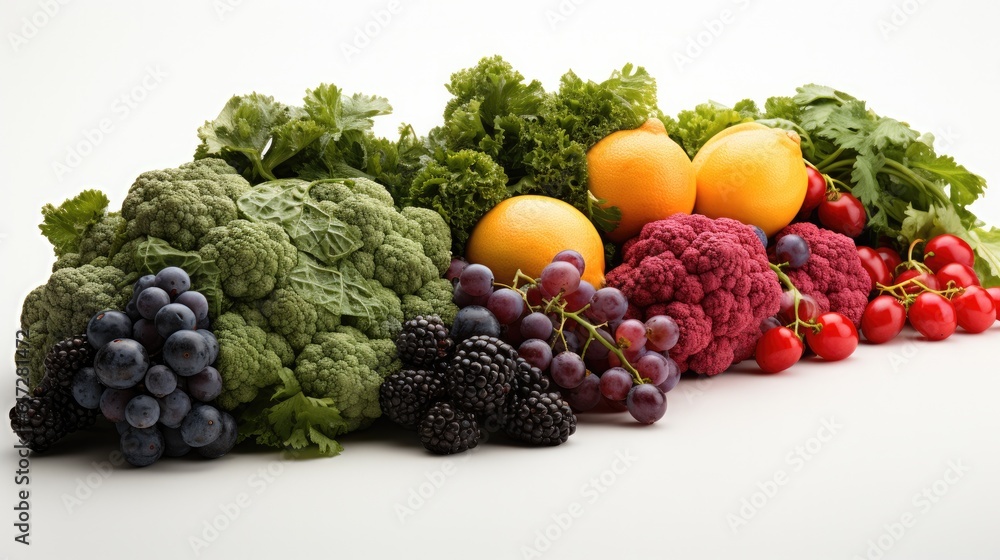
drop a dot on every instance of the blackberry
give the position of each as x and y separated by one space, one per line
540 418
446 429
406 395
50 412
424 341
479 375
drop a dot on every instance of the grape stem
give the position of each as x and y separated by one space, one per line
557 305
797 298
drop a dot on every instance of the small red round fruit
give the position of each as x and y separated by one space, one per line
808 307
883 319
963 276
837 337
890 257
843 213
778 349
945 249
933 316
995 293
815 190
975 309
873 264
926 279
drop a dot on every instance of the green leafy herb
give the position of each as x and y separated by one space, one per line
65 225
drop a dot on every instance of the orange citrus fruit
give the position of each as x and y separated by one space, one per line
525 232
642 172
751 173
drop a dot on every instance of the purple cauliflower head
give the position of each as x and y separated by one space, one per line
711 276
833 275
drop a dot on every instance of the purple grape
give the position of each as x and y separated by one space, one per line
631 334
121 363
560 277
462 299
172 318
160 381
142 411
653 367
142 447
213 344
536 352
662 333
474 321
106 326
646 403
476 280
567 370
225 442
598 351
87 388
609 304
506 304
173 280
576 300
792 249
760 235
455 270
536 325
616 384
113 402
572 257
144 332
205 385
173 408
186 352
202 425
196 302
567 342
585 396
672 378
150 301
143 283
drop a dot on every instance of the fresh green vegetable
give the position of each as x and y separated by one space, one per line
909 191
538 139
299 275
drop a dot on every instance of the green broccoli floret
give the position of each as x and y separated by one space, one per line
181 205
433 298
345 368
337 190
291 316
253 257
387 318
247 359
436 235
104 238
373 219
67 260
33 325
460 186
401 265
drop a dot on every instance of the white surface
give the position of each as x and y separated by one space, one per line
906 409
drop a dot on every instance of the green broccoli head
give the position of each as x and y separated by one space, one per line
67 260
344 367
433 298
460 186
36 333
253 257
373 219
181 205
401 265
291 316
436 235
248 360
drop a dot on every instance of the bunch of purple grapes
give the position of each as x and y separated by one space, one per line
153 376
575 332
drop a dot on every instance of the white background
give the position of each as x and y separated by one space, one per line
905 410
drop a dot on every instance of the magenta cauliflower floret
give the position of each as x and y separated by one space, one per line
711 276
833 275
